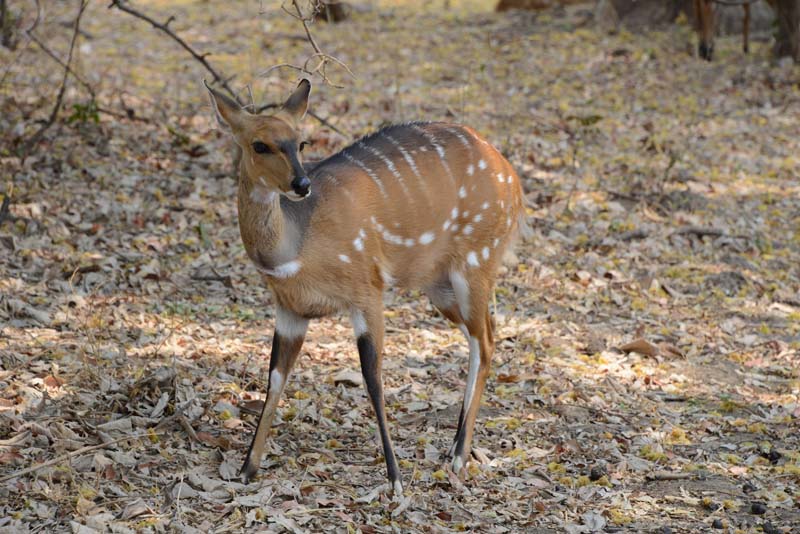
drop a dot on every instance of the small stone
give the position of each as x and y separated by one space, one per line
717 524
665 530
749 487
769 528
758 508
597 473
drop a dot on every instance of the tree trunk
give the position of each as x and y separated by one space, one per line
788 40
331 11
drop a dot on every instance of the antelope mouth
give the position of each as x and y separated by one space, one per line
295 197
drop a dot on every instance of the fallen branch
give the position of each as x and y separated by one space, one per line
699 231
68 456
36 137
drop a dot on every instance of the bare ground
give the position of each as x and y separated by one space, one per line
646 375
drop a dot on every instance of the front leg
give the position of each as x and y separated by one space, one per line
290 330
368 326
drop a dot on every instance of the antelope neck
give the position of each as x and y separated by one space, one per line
271 226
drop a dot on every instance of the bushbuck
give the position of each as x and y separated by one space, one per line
426 205
706 24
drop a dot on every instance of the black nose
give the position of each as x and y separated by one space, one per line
301 185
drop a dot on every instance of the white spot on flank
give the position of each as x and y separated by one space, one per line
361 233
454 228
461 290
485 253
423 149
485 206
426 238
358 243
446 224
359 322
392 238
284 270
289 325
502 204
465 213
462 192
478 218
472 259
481 164
410 243
508 221
470 169
345 258
454 213
467 229
500 178
510 178
496 242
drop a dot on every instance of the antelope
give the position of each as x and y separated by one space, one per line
705 19
425 205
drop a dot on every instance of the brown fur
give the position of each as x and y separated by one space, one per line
382 210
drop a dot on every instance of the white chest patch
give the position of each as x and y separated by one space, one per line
284 270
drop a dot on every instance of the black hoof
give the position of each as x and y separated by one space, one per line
249 471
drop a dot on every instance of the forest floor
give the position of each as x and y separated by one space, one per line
647 372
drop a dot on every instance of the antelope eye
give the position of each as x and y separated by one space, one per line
303 144
261 148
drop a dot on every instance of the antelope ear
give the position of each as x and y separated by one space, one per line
228 112
297 104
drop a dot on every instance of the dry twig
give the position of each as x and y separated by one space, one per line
36 137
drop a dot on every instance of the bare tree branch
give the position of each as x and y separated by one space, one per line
122 5
36 137
324 59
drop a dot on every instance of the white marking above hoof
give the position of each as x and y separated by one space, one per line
458 464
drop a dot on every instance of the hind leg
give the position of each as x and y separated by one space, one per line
469 308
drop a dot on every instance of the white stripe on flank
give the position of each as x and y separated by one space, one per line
461 290
472 259
345 258
460 136
367 170
426 238
389 163
404 153
289 325
432 140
